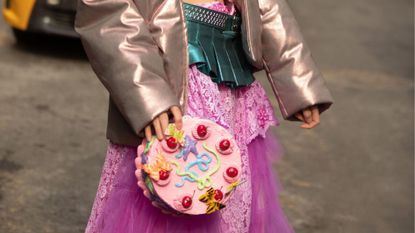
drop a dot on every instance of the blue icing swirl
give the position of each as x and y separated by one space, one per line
202 162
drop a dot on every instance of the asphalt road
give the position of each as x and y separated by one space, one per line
352 174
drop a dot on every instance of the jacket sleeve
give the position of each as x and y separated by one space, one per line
296 81
125 58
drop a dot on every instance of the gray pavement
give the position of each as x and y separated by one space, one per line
353 173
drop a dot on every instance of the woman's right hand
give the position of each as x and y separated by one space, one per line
160 123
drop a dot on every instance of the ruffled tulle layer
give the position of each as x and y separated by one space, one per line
127 210
266 212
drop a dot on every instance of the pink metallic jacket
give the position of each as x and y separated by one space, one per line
138 49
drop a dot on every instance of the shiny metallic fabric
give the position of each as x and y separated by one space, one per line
138 49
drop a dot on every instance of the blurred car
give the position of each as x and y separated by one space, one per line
40 16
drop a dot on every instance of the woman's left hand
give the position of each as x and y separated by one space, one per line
310 116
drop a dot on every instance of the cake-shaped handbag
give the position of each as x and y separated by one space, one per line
193 170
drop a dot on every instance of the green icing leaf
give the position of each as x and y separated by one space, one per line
148 145
149 185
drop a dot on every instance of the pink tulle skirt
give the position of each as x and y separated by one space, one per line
124 208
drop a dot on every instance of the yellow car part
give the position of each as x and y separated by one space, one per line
18 13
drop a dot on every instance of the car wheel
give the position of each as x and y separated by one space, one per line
23 37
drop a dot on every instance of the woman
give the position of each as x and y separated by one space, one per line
143 51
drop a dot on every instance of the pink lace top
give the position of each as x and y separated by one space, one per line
246 112
228 8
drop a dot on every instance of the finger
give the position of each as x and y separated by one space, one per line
299 116
157 128
155 204
141 185
164 121
315 114
307 115
309 125
137 174
165 212
305 126
147 132
177 114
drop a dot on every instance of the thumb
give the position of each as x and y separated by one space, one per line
177 114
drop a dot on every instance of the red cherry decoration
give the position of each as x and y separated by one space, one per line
171 142
224 144
218 195
201 130
163 174
232 172
187 202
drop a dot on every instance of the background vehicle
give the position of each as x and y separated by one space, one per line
40 16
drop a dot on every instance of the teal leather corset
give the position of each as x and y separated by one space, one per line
216 48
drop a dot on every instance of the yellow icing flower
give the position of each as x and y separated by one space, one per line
209 199
153 170
177 134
